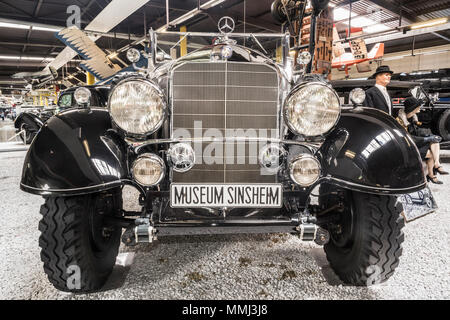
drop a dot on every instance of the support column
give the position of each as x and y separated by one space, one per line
279 54
90 79
183 44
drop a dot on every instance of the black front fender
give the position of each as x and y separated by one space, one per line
369 151
75 152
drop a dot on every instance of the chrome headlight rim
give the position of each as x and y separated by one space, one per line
294 91
159 92
300 157
150 156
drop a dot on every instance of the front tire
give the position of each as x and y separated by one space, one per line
78 247
444 125
365 245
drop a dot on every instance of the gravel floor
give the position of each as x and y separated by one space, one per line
220 267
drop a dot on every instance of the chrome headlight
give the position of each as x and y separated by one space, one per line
137 106
357 96
312 109
304 170
148 169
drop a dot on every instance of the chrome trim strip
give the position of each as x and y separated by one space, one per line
213 34
352 184
225 100
225 118
138 145
117 182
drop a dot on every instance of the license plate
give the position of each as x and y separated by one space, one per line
418 204
226 195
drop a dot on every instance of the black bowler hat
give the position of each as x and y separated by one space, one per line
411 104
382 69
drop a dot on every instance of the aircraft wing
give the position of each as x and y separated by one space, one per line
114 13
96 59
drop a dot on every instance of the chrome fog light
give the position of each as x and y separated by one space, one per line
271 156
133 55
304 58
304 170
181 157
357 96
148 169
82 95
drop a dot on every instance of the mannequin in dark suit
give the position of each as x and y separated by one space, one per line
375 98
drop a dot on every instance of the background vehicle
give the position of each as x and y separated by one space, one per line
30 121
345 154
434 114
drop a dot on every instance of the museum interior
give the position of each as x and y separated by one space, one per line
224 150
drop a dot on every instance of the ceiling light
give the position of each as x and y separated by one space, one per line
47 29
25 58
360 22
13 25
375 28
429 23
191 14
341 14
26 27
211 4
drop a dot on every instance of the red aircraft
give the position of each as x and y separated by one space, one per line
358 55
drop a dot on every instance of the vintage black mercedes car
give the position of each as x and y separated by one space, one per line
29 123
222 140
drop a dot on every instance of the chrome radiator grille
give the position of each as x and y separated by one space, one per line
215 100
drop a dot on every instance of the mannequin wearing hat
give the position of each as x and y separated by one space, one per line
377 96
428 146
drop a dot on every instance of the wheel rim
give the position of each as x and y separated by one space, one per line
101 236
447 125
343 235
